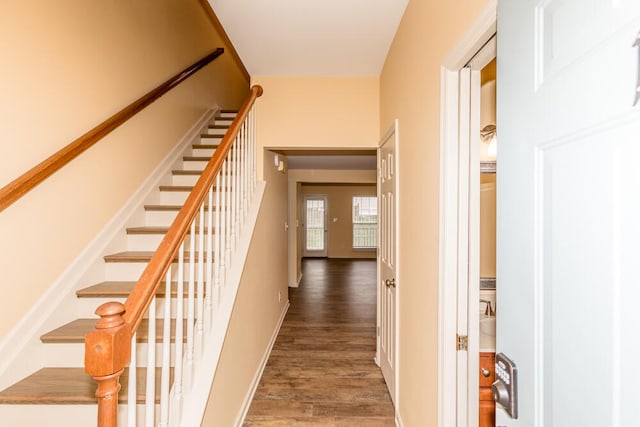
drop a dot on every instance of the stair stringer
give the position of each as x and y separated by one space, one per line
195 402
21 351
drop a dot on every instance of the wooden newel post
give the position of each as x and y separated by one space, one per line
107 351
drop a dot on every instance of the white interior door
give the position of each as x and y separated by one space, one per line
387 265
315 226
568 210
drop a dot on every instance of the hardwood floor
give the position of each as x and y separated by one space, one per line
321 370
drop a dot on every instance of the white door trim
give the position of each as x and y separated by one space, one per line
451 176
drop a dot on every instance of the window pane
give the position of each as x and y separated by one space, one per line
365 221
315 225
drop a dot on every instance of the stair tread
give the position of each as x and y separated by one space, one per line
70 386
186 172
205 146
114 289
139 256
219 126
229 111
154 230
167 207
196 158
176 188
74 331
170 208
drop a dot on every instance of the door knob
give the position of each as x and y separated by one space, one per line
390 283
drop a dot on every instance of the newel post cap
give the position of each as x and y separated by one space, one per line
107 347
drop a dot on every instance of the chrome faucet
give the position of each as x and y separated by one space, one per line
488 311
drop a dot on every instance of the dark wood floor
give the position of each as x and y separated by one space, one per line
321 370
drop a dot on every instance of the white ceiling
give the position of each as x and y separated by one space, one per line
311 37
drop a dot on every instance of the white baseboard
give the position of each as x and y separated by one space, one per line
399 422
20 351
256 379
297 282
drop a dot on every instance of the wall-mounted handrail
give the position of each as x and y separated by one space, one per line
108 346
27 181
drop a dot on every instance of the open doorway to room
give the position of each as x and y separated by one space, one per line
338 177
467 265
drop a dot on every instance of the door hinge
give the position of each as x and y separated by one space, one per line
462 342
378 330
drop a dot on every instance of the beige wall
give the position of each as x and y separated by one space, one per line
318 112
67 66
339 219
410 92
257 308
296 178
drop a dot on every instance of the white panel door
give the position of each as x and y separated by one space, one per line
387 266
568 207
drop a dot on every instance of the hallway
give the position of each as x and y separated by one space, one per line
321 370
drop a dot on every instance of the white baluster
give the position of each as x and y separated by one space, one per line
223 225
200 292
254 166
234 177
246 170
176 408
217 261
243 136
132 385
228 191
188 371
150 399
166 353
209 276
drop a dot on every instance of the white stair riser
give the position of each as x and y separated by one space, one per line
173 197
49 415
184 179
214 131
204 152
150 242
194 165
219 122
227 115
64 415
159 218
87 306
71 355
211 139
131 271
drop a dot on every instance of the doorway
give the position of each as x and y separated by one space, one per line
459 278
315 226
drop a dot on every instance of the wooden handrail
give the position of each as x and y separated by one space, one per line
108 346
27 181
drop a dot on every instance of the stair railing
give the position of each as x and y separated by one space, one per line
34 176
190 256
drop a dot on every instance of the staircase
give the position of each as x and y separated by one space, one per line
61 393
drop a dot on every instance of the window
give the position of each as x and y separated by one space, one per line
365 222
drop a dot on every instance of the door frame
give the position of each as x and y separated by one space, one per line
392 132
325 252
454 241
